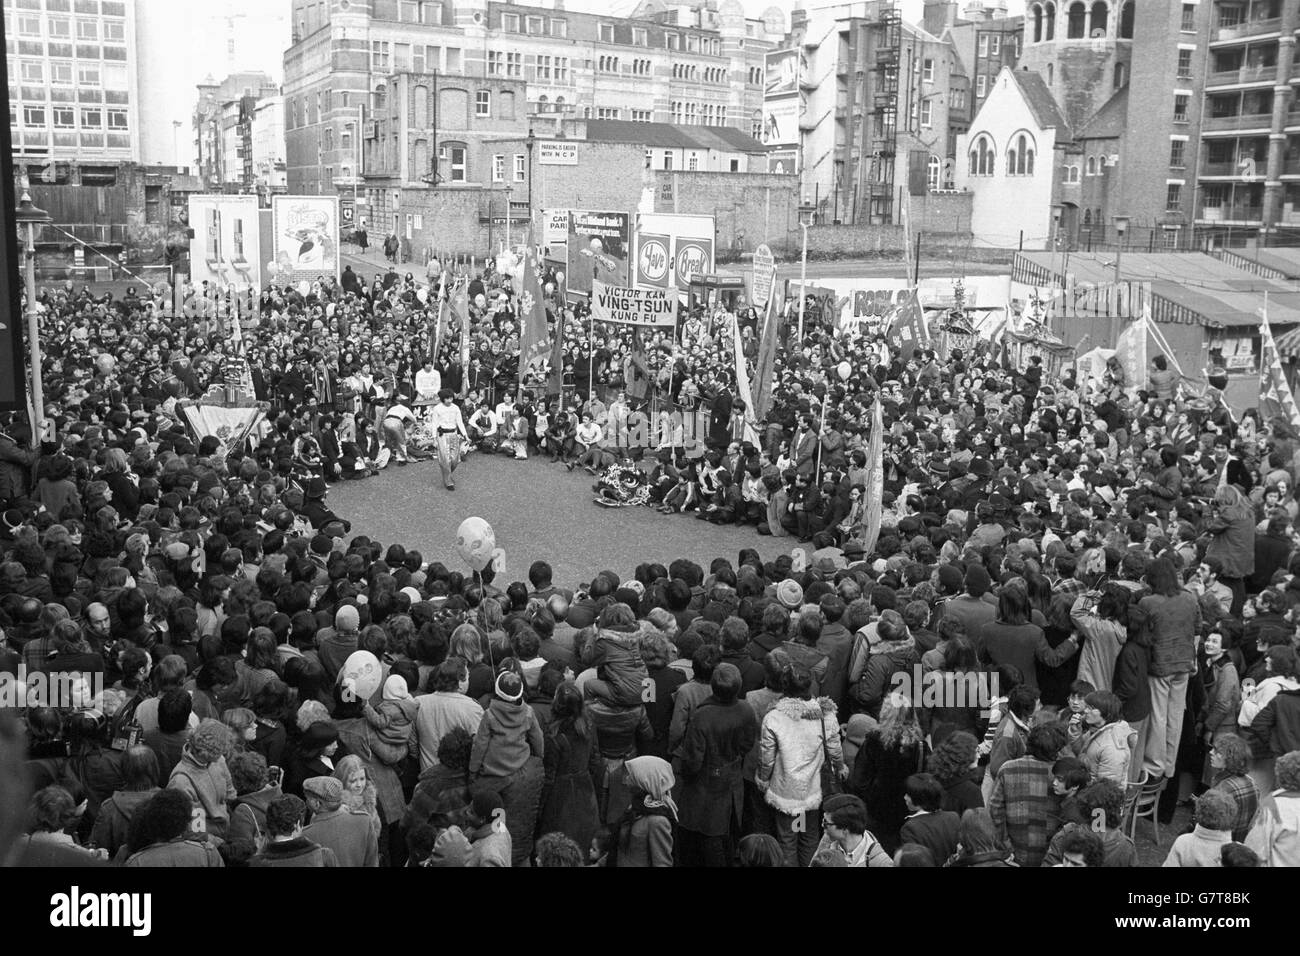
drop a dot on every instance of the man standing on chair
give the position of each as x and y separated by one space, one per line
449 427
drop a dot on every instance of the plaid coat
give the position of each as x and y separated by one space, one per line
1024 809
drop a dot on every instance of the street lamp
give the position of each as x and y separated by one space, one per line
806 210
31 216
1121 230
509 190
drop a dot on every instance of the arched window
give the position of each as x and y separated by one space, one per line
1049 15
1087 217
1076 20
982 156
1126 20
933 169
1092 166
1020 154
1036 13
1098 20
1121 74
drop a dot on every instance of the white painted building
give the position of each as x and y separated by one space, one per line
1008 161
268 145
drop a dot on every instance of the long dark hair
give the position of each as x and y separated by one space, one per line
568 711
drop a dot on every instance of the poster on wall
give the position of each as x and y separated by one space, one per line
782 101
598 247
670 248
226 250
306 230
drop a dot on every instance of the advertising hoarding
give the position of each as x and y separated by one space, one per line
227 246
306 231
670 248
598 248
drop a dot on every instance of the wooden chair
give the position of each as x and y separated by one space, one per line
1147 804
1131 793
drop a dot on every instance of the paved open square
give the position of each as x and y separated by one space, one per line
538 510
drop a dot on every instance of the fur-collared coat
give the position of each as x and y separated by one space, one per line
791 752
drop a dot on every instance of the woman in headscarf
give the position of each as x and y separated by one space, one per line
645 833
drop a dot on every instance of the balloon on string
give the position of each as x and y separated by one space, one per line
272 267
550 288
559 276
361 675
844 370
475 542
480 300
422 295
105 363
304 287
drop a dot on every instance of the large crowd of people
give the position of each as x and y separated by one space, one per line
1080 607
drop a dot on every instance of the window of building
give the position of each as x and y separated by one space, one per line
544 68
926 113
982 157
482 103
561 70
559 28
380 56
668 159
499 168
88 74
933 169
33 115
401 57
692 114
510 22
755 124
1188 24
535 25
1076 18
345 138
329 137
495 63
33 71
641 116
115 31
1091 166
981 84
640 36
453 60
995 45
60 73
92 118
672 41
65 117
692 43
87 29
521 167
1169 238
1174 197
982 45
957 98
1185 64
29 26
60 28
514 64
1180 107
927 71
456 158
117 119
607 113
1177 152
607 33
1126 20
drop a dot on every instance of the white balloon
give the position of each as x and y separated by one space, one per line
272 267
844 370
363 671
422 295
304 287
475 542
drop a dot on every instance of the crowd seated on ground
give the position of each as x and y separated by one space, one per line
1096 580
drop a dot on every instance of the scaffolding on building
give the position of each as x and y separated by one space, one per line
887 36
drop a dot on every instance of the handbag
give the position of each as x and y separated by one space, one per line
830 780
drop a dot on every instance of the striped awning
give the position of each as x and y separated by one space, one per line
1288 344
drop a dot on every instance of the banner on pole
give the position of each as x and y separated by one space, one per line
627 306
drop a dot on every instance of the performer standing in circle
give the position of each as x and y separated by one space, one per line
449 426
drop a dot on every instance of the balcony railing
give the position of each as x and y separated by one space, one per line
1245 74
1242 121
1248 28
1220 169
1231 214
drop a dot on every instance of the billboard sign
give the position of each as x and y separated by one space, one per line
226 250
557 154
670 248
598 248
555 227
764 277
782 100
306 236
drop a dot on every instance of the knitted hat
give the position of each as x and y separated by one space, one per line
789 593
510 687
